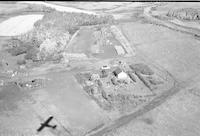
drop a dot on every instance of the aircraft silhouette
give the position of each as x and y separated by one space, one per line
46 124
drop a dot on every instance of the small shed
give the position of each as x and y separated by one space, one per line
120 74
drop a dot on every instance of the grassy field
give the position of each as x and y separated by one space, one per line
71 105
178 116
166 47
85 41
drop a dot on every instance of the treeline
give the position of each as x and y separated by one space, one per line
185 14
72 21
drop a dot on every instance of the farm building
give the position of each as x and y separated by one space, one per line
120 74
104 71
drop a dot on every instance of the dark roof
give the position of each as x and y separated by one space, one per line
117 71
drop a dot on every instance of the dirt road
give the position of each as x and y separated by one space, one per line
150 106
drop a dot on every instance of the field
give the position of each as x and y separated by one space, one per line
64 97
177 116
99 68
166 47
94 43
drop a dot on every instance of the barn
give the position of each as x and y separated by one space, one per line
120 74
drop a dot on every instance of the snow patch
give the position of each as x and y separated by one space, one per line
19 24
